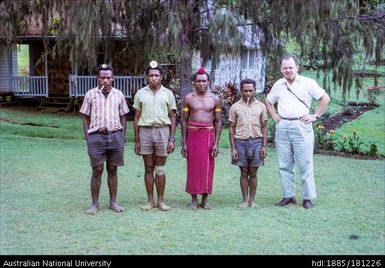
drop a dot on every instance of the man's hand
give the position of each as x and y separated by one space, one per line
309 118
263 152
234 155
170 147
214 151
184 151
277 118
137 148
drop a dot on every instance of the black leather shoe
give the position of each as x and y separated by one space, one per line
307 204
286 201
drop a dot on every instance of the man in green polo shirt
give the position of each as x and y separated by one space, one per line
154 126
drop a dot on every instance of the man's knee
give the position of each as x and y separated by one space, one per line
149 169
97 171
244 171
112 170
253 172
159 170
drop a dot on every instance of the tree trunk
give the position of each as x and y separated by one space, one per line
212 73
185 72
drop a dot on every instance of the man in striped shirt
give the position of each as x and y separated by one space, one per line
104 112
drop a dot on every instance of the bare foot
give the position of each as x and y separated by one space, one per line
163 206
243 205
147 206
115 207
193 205
205 206
92 210
251 205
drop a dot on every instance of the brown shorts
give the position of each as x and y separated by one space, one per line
154 140
108 147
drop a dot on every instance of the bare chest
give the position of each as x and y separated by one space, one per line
206 104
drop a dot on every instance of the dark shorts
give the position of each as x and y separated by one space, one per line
249 153
108 147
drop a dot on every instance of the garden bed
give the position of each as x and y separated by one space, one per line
349 114
349 155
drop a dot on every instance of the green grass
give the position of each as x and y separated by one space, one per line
23 60
370 128
44 190
337 104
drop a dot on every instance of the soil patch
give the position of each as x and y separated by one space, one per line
367 74
3 119
350 155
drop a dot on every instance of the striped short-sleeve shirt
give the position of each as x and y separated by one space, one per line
104 112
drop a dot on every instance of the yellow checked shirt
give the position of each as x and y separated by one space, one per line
248 119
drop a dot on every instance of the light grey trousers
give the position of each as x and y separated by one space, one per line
294 141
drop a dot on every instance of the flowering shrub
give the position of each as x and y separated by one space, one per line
324 139
352 144
373 149
373 92
331 140
355 143
343 145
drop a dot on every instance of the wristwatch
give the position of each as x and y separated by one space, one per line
171 138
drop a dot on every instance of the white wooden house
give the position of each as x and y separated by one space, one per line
51 76
8 65
250 64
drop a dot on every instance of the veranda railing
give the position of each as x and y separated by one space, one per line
80 84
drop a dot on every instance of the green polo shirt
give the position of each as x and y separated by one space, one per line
154 108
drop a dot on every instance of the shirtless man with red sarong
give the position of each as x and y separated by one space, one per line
201 129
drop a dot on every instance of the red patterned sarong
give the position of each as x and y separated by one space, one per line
200 163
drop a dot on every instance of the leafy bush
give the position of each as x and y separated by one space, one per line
228 95
351 144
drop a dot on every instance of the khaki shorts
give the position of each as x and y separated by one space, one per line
108 147
154 140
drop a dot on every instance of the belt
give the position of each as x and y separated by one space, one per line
247 139
291 118
155 126
208 127
105 132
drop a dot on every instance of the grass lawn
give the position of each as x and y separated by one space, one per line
337 104
44 190
370 128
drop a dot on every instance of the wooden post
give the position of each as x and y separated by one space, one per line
46 72
10 68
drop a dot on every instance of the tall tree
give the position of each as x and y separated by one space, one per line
330 32
149 28
181 27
